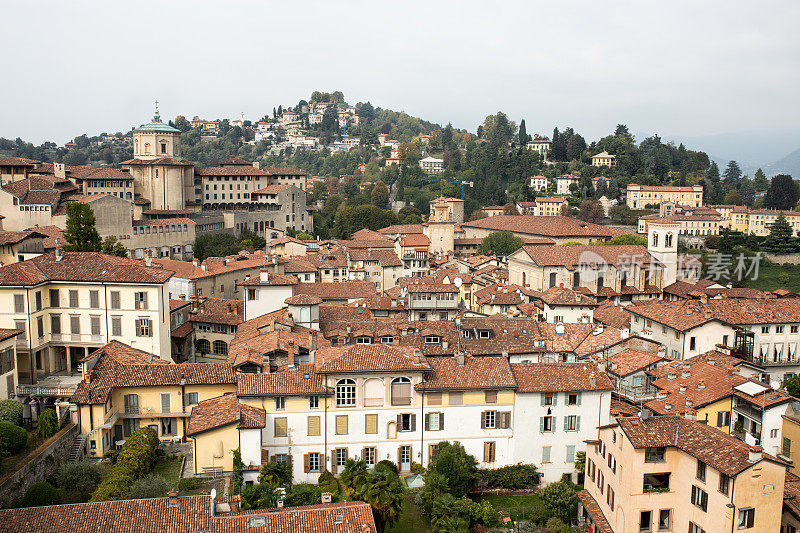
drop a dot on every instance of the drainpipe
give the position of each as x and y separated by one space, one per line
731 505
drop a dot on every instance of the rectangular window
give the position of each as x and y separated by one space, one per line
115 300
19 303
144 327
55 300
371 423
724 483
280 403
488 419
572 423
489 449
40 327
723 419
75 324
94 299
140 300
456 398
94 324
434 398
547 424
548 398
313 402
699 498
645 519
166 402
654 455
490 396
313 462
664 519
369 455
406 422
546 454
116 326
73 298
55 324
610 497
281 426
38 300
747 518
570 454
701 470
313 426
435 421
341 425
191 398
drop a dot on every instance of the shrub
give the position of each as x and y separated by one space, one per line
417 468
513 477
260 496
276 473
83 477
11 411
237 478
39 494
554 525
328 483
12 438
457 466
134 461
560 499
48 424
305 494
387 465
190 483
151 486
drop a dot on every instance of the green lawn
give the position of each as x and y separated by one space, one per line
519 507
170 470
768 278
410 519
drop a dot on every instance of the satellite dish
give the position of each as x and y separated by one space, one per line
775 385
458 282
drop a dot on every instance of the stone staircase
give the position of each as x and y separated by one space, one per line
78 447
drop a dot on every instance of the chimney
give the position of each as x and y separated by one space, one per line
89 376
417 359
592 380
755 453
326 497
264 277
682 388
292 353
204 266
460 359
173 498
196 262
213 502
59 251
701 385
148 257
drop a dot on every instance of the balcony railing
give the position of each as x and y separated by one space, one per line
64 391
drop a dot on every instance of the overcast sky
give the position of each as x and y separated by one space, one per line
677 68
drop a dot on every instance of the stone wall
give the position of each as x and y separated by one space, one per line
37 466
791 259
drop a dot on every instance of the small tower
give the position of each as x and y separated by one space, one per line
662 243
155 140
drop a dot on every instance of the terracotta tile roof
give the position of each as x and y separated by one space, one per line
791 493
177 304
438 288
369 358
34 190
284 171
387 257
119 365
221 411
612 315
51 234
230 170
7 333
688 314
594 511
554 377
661 188
286 240
153 515
468 242
563 296
345 517
342 290
218 311
18 162
302 380
620 408
414 239
274 188
182 331
215 265
273 278
629 361
328 258
691 384
548 226
8 238
297 265
88 267
303 299
573 256
398 229
491 372
719 450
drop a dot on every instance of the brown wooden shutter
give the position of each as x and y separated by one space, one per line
485 452
399 422
427 425
413 422
289 458
398 457
333 461
305 463
483 419
264 456
441 421
272 459
363 453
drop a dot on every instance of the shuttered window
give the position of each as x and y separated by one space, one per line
75 325
281 426
19 303
456 398
313 425
55 300
489 449
401 391
434 398
94 299
94 321
370 423
115 303
165 402
490 396
73 298
116 326
341 424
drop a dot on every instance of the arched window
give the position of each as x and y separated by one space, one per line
345 392
147 148
202 346
524 278
668 240
374 392
401 391
655 239
220 348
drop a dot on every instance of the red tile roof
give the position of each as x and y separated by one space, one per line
8 238
414 239
488 372
369 358
548 226
343 290
301 380
85 267
629 361
303 299
7 333
221 411
573 256
555 377
218 311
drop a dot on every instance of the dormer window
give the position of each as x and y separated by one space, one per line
484 334
432 339
363 340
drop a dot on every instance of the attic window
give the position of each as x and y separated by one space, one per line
432 339
484 334
257 521
338 518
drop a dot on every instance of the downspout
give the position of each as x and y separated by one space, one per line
28 336
732 506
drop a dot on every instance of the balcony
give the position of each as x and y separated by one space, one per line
61 386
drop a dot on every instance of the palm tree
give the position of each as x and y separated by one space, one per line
384 492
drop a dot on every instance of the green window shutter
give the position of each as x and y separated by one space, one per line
541 424
555 399
545 454
579 398
541 397
578 424
566 419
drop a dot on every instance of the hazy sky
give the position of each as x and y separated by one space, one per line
677 68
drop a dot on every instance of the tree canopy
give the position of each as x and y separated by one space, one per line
500 243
